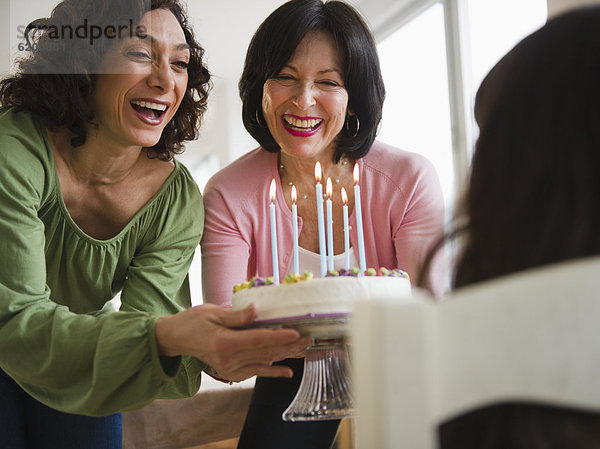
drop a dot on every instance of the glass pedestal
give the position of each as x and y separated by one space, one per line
325 391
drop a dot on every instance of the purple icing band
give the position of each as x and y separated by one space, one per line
308 316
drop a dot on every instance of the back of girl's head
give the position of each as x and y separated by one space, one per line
276 40
534 192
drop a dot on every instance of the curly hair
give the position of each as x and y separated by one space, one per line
57 80
273 45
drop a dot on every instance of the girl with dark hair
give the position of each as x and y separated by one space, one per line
312 92
533 199
92 203
535 176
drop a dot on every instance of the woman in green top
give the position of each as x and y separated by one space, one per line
93 203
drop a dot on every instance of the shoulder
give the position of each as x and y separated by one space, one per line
25 156
20 130
243 178
15 119
176 210
184 191
386 162
249 168
389 159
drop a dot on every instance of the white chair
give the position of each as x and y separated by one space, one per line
528 337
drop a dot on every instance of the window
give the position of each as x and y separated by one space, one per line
421 111
495 27
416 112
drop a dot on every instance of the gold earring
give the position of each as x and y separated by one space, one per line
258 120
357 125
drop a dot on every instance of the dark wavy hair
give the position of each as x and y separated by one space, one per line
56 82
273 45
534 192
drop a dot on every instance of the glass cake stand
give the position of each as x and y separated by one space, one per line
325 391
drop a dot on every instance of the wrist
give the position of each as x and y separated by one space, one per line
162 332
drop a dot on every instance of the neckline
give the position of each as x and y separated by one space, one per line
129 224
336 257
279 193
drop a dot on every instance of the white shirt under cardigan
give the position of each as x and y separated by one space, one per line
307 260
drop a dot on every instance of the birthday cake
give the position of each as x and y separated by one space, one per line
303 297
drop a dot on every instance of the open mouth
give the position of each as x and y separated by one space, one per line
150 110
301 125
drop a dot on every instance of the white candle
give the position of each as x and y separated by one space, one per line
295 229
346 230
328 207
320 219
359 222
274 233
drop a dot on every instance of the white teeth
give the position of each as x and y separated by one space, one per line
297 123
150 105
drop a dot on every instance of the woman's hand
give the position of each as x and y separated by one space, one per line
208 333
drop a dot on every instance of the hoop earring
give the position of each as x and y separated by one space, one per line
357 125
258 120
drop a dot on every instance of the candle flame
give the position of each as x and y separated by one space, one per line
329 188
272 190
318 171
344 196
294 194
355 174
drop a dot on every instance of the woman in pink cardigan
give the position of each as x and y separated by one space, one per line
312 92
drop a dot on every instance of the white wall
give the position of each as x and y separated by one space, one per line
224 29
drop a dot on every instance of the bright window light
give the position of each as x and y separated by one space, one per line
496 27
416 114
413 61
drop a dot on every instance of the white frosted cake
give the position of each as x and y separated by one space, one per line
322 297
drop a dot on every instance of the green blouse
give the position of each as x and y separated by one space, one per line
57 338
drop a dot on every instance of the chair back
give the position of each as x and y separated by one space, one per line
528 337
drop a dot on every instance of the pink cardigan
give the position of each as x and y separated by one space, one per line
403 216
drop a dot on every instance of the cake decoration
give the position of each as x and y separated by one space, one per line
258 281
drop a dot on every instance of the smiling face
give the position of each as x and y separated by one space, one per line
142 83
305 104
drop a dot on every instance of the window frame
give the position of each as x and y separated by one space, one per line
458 70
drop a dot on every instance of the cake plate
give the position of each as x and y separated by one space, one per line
325 391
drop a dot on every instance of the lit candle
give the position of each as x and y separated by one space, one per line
274 233
329 192
295 229
346 230
320 219
359 222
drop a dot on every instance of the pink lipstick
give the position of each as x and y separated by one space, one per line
296 129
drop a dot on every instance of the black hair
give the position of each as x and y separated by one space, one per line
273 45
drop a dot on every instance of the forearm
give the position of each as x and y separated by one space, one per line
80 363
